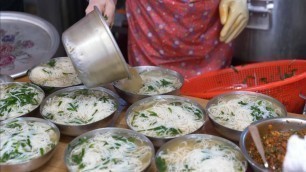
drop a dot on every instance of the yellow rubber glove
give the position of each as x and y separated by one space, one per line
234 15
107 7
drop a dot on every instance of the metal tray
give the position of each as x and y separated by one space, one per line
25 41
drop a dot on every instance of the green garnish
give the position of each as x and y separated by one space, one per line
120 138
64 73
256 112
143 115
51 63
104 99
11 155
165 83
198 113
41 150
152 113
242 103
49 72
13 124
72 107
269 109
49 116
150 88
131 139
161 164
78 158
170 110
18 95
162 130
95 112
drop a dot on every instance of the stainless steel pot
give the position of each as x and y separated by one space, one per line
93 51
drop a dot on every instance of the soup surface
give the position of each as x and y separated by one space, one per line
164 118
200 155
239 112
17 99
109 152
79 107
25 140
58 72
155 82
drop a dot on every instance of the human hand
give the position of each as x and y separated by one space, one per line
234 15
107 8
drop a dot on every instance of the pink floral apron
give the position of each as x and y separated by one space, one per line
182 35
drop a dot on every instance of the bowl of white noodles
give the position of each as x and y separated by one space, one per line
200 152
231 113
55 74
156 81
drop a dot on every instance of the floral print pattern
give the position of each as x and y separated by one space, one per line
181 35
12 49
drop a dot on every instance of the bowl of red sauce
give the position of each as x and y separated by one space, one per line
274 133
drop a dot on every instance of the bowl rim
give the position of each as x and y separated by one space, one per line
250 93
47 86
32 85
164 97
34 119
152 68
75 88
204 136
262 121
92 133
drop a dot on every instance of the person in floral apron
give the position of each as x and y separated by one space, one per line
189 36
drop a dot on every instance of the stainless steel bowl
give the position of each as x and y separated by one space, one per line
195 137
32 112
147 102
76 130
35 163
93 51
47 89
132 97
279 124
232 133
115 131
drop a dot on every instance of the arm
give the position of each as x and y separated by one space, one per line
107 7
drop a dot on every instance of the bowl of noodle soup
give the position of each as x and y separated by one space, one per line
55 74
165 117
200 152
27 143
78 109
232 112
156 81
109 149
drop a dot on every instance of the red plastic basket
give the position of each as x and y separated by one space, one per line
283 80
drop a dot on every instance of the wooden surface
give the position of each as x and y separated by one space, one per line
57 164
